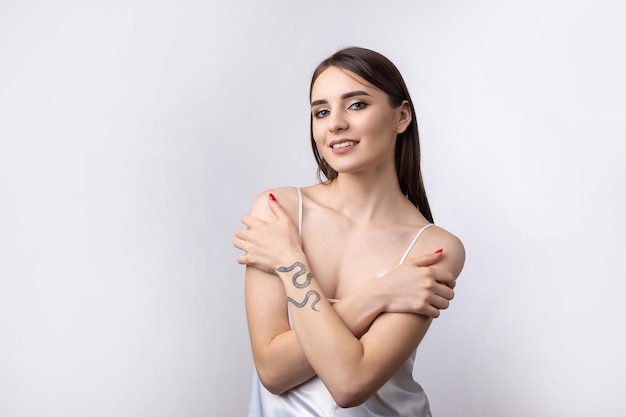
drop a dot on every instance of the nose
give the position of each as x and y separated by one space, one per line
338 122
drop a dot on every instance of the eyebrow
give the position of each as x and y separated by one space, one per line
343 97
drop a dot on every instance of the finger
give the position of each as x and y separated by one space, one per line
250 221
243 259
241 233
276 207
431 311
240 244
446 278
428 259
441 276
439 303
444 292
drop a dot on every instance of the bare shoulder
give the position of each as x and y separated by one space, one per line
437 238
286 196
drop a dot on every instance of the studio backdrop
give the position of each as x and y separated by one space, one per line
134 135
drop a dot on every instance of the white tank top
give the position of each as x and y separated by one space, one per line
400 396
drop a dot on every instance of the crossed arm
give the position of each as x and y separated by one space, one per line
280 361
346 345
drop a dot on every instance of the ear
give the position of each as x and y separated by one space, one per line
405 117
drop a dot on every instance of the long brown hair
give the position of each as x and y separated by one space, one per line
383 74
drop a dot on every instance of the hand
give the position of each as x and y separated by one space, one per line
417 287
268 244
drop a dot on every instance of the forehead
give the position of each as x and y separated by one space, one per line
335 81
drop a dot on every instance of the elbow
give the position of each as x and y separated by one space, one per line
350 394
348 400
275 389
271 382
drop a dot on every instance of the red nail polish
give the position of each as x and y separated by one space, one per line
439 251
272 197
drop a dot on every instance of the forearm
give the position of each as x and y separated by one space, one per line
283 364
359 308
328 344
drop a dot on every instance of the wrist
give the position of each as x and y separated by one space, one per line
374 294
288 258
292 264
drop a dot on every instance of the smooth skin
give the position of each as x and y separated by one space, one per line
354 227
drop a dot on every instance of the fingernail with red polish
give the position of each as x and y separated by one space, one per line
439 251
272 197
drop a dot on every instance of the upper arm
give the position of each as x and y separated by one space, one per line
265 298
266 309
389 342
266 302
453 255
436 238
392 337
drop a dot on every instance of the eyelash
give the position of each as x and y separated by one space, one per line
360 105
318 114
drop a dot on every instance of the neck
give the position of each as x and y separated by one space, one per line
367 197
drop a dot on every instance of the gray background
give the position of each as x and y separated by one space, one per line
134 134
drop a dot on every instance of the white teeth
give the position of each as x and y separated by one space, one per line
344 144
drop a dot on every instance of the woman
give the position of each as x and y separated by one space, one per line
345 276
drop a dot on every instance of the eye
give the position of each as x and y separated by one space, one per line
321 113
359 105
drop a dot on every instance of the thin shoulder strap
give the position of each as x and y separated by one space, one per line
413 243
299 212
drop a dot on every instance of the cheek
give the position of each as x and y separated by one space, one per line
377 127
318 134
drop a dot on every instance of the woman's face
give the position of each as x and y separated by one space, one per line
354 126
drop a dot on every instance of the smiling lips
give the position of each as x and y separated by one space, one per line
342 145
